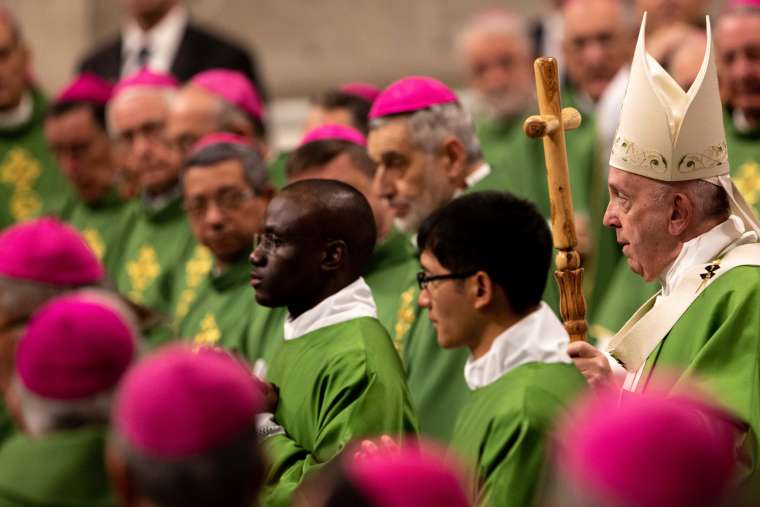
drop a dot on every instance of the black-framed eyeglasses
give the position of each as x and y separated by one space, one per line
424 279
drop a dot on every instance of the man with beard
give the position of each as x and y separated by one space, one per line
737 37
226 192
336 371
75 128
160 241
30 183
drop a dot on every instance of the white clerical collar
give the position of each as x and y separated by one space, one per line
351 302
704 249
19 115
537 338
741 123
478 175
162 41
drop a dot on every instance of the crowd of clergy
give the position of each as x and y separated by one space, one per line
190 317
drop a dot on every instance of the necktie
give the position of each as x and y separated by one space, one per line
142 57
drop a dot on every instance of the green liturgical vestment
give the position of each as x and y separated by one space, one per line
221 311
64 469
503 430
30 182
160 243
715 344
105 225
336 384
744 161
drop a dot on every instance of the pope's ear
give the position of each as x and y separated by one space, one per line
482 289
681 215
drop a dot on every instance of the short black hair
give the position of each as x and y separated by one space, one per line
358 107
344 214
495 232
254 167
98 111
319 153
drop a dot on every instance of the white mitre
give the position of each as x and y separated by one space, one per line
670 135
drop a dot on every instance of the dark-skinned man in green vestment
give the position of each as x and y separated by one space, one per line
338 152
30 183
682 221
483 294
68 363
160 241
184 433
75 128
427 153
226 191
336 372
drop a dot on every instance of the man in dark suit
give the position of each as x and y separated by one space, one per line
159 34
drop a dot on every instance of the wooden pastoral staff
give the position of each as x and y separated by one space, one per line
550 125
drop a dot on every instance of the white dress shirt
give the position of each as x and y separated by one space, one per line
162 42
536 338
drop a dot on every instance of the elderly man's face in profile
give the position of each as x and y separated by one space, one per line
407 177
639 212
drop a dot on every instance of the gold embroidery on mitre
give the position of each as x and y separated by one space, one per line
712 157
747 181
196 269
95 242
404 318
142 272
209 333
21 170
627 151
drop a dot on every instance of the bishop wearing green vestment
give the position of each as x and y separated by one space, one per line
681 220
336 372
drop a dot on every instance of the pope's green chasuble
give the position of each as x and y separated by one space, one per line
744 161
715 345
221 311
158 246
336 384
503 430
64 469
390 272
30 182
105 225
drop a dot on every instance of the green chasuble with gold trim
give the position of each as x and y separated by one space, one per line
223 312
64 469
503 430
30 182
391 270
336 384
744 161
105 225
715 346
157 247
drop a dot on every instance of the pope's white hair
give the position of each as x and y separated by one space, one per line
429 127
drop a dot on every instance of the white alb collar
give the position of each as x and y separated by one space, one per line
351 302
19 114
478 174
162 40
704 249
539 337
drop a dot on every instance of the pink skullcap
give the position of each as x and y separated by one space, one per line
73 349
48 251
147 78
649 451
219 138
409 477
181 402
87 87
411 94
232 86
366 91
334 133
